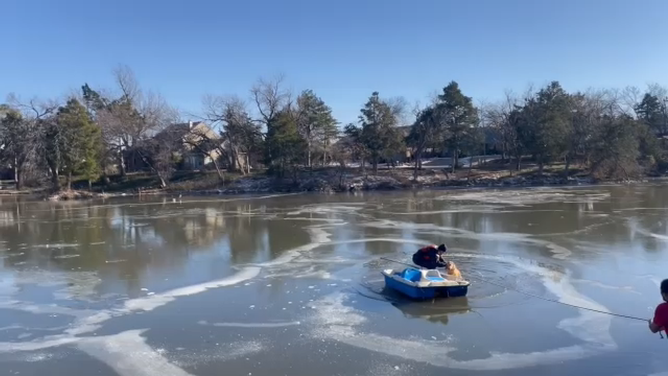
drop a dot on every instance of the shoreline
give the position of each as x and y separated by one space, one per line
256 185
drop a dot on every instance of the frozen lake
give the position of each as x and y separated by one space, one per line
291 284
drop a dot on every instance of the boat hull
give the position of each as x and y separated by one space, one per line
421 291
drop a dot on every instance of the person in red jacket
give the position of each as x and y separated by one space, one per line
429 257
660 321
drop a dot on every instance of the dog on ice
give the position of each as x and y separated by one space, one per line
452 271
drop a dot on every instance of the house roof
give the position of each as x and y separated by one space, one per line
405 130
191 133
181 130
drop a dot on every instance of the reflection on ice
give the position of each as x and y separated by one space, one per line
437 312
558 251
530 196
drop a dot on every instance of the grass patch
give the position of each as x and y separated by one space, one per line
142 181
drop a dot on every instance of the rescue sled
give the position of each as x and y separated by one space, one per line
424 283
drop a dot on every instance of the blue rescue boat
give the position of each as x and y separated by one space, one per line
424 283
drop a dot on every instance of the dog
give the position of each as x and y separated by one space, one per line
452 271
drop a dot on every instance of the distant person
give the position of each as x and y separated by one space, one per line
660 321
429 257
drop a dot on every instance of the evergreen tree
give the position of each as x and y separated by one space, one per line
352 143
460 119
72 144
314 121
379 133
285 147
547 124
653 113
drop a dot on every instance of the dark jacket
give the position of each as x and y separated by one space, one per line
428 257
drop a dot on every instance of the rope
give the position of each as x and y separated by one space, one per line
562 303
566 304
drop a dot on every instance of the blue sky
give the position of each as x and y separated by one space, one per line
343 50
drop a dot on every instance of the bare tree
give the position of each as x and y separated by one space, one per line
158 154
241 135
156 116
484 108
21 134
657 90
118 114
271 100
209 145
426 131
502 118
127 83
129 118
217 111
400 109
270 97
626 99
507 129
341 152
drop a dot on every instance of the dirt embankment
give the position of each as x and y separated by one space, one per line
333 181
336 179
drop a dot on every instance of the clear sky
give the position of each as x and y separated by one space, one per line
342 49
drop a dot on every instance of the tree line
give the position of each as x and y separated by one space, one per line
97 132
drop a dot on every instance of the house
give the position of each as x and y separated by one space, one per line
198 145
